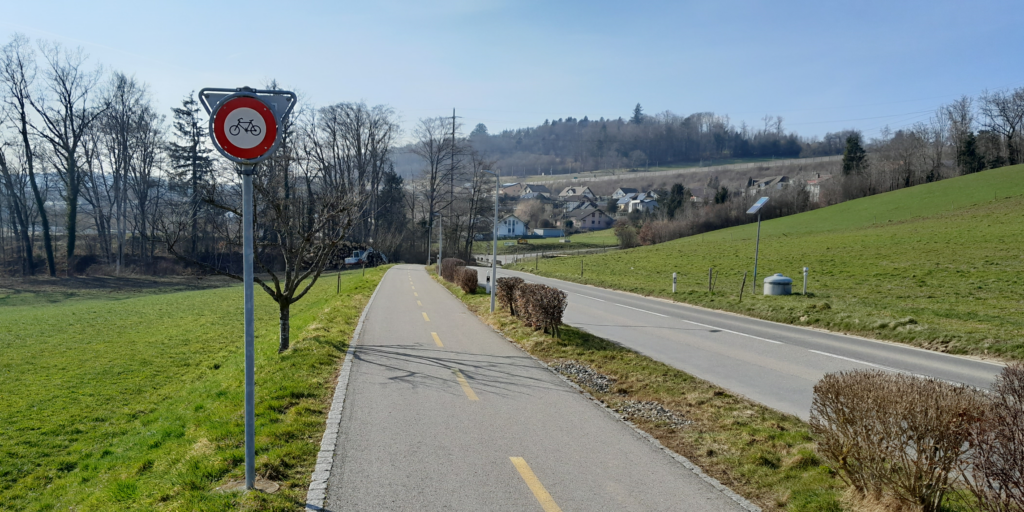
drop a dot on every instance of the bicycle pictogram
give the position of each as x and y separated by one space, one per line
247 126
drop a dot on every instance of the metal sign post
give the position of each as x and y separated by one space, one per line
244 126
756 208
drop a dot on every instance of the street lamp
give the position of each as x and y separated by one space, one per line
756 208
494 247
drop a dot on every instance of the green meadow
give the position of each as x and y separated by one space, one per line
939 266
132 400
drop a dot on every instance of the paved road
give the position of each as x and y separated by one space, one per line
466 421
775 364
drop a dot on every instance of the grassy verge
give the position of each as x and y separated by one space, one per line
134 401
591 240
760 453
937 266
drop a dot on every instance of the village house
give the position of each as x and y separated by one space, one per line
814 184
539 190
572 203
511 227
588 220
623 192
512 189
549 232
758 187
577 191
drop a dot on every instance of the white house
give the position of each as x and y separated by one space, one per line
511 227
643 204
623 192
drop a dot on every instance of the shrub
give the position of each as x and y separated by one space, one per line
894 434
626 234
448 268
506 292
466 279
996 474
540 306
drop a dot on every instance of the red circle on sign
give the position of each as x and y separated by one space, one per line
224 112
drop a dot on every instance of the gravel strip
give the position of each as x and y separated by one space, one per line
649 411
584 375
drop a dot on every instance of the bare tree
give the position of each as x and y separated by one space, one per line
1004 115
17 74
435 147
960 114
67 113
14 185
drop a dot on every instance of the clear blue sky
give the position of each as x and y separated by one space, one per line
822 65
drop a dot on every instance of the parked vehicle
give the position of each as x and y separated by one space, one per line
368 257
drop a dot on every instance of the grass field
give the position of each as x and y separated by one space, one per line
766 456
128 399
939 266
591 240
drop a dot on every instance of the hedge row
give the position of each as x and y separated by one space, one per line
454 271
914 439
539 306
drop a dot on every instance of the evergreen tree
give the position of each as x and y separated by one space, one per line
722 195
967 157
190 158
675 200
854 158
638 115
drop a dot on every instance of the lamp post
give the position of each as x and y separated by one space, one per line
756 208
494 246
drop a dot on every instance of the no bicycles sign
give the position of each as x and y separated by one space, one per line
244 122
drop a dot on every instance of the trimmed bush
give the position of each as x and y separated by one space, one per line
448 268
540 306
895 435
466 279
506 292
996 471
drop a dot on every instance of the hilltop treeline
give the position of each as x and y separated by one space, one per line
574 145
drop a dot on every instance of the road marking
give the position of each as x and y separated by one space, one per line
420 303
413 287
415 294
592 298
642 310
539 492
734 332
858 361
425 317
465 385
436 339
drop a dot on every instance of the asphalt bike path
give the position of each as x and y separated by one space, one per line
772 363
442 413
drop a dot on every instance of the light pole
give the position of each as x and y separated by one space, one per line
494 246
756 208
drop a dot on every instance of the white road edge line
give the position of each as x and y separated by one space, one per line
592 298
638 309
858 361
316 496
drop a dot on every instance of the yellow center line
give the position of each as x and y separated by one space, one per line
436 339
465 385
539 492
425 317
420 303
416 294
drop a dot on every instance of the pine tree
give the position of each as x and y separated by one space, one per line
854 158
190 158
967 157
638 115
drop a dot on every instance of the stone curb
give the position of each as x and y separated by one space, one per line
316 497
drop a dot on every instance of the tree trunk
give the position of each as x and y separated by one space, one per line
285 342
72 222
